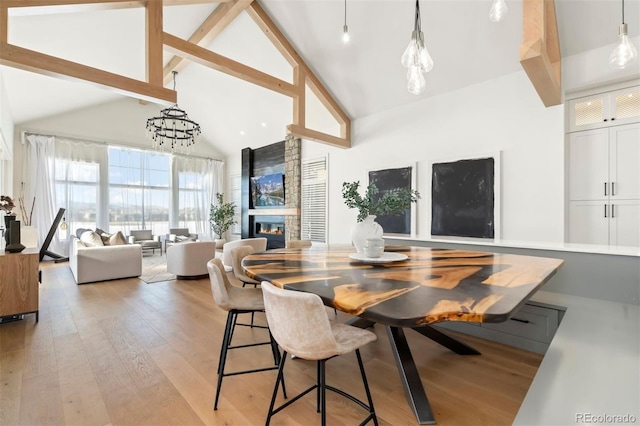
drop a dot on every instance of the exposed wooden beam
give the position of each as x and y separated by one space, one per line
45 7
41 63
291 55
215 23
540 50
4 23
228 66
299 100
314 135
153 42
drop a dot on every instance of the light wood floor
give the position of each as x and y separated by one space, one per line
126 352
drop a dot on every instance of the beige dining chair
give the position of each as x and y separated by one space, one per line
259 244
301 326
237 254
298 244
236 300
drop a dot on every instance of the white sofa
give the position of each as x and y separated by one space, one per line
189 259
91 264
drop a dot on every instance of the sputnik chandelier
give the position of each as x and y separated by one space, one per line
416 57
173 129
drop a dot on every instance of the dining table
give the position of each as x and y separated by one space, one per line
409 288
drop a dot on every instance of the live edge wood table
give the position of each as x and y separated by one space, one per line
19 283
432 285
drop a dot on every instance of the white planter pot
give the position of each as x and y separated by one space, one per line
368 228
29 236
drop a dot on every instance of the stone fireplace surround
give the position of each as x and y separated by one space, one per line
281 157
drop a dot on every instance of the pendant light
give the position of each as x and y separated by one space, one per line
498 11
416 57
625 52
345 28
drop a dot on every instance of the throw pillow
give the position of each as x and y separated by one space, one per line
117 239
181 238
91 239
81 231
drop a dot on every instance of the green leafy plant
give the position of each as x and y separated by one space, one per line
221 216
393 202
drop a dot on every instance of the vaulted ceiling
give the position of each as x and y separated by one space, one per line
365 76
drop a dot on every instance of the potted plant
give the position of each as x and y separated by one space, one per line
221 216
393 202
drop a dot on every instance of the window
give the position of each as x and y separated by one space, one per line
314 200
138 190
77 188
192 190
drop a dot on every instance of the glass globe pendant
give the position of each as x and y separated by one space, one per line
416 57
625 52
498 11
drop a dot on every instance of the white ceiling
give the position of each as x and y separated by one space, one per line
365 76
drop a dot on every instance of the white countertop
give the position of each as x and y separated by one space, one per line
592 366
570 247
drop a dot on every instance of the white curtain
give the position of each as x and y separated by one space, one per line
207 179
81 170
39 185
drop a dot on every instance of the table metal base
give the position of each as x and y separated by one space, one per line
409 375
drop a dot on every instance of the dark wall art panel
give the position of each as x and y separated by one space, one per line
462 197
386 180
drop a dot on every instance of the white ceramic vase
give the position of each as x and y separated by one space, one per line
29 236
368 228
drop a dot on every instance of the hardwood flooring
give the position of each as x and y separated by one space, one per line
129 353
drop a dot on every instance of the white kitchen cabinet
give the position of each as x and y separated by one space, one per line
597 222
589 222
605 109
604 186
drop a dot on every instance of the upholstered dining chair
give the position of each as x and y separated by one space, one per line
237 254
297 244
300 325
236 300
259 244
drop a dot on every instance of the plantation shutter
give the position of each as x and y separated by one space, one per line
314 200
236 195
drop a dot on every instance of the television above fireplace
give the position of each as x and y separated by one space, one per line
268 190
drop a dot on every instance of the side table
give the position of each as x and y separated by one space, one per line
19 278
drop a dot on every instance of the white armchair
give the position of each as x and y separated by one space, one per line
189 259
146 239
178 235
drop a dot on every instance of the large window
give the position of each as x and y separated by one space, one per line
77 188
314 200
139 190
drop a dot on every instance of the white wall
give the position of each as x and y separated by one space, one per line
504 115
6 141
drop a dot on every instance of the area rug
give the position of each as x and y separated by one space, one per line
154 269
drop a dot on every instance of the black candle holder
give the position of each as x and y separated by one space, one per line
14 238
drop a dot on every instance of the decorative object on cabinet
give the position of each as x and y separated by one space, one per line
396 178
625 52
14 245
465 197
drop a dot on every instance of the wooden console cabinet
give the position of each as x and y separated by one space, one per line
19 283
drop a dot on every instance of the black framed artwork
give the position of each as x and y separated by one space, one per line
386 180
463 198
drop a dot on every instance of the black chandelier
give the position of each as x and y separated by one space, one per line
173 128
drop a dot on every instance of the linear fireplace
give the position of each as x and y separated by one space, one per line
272 228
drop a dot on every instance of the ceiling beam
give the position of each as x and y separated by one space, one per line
215 23
153 42
283 45
46 7
540 50
29 60
228 66
299 100
314 135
